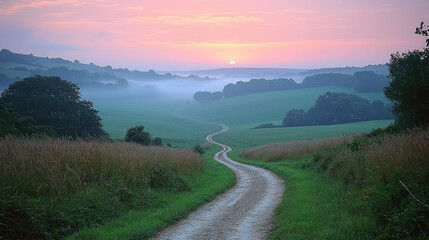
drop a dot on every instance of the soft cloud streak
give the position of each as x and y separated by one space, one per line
167 34
8 8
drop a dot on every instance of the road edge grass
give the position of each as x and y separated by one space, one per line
314 206
168 208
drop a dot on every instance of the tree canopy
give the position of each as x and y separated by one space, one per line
409 88
52 101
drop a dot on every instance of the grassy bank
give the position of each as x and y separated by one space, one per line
168 207
52 188
314 206
371 186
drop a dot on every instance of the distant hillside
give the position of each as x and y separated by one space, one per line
15 66
246 72
362 82
297 74
380 69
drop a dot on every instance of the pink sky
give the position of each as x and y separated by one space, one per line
199 34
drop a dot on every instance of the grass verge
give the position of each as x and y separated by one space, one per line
167 207
314 206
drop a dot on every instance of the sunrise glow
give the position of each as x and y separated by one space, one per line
194 34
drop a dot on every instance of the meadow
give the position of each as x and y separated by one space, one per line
161 118
124 190
52 188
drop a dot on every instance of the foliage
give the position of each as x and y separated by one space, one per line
258 85
368 81
198 149
11 123
336 108
424 31
5 81
54 102
328 79
138 135
409 88
207 96
265 125
294 117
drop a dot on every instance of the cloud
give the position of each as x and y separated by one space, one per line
188 19
59 14
11 7
283 44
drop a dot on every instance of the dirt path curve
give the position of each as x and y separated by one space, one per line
243 212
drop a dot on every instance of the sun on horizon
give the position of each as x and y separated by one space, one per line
232 62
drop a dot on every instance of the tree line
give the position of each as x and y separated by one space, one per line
363 82
336 108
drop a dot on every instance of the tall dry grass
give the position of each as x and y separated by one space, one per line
279 151
57 167
382 162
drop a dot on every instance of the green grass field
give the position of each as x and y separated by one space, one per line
161 118
175 121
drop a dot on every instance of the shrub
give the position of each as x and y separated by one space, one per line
138 135
157 141
198 149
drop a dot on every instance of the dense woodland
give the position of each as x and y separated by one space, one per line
362 82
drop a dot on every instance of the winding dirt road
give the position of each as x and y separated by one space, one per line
243 212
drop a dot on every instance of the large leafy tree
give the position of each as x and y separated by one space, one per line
409 88
55 102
